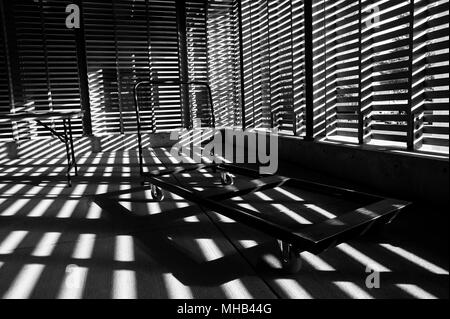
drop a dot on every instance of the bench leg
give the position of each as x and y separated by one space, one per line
157 193
291 260
226 179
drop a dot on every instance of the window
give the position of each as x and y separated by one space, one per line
273 45
381 72
380 68
223 61
126 42
47 59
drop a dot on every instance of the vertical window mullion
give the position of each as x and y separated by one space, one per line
410 136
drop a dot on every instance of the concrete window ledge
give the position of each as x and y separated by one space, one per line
396 173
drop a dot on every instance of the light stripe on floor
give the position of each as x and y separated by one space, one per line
25 282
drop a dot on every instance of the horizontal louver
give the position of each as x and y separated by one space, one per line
273 49
102 58
281 63
256 64
237 76
319 66
341 38
197 60
298 67
165 65
381 72
223 64
380 67
127 42
5 104
431 77
385 51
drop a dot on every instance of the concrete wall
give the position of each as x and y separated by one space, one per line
396 174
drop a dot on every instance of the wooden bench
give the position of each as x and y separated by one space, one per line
314 238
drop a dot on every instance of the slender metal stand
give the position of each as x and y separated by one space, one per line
66 136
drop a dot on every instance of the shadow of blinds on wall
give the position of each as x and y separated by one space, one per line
48 69
129 41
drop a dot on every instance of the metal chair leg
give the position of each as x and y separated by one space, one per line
69 164
74 161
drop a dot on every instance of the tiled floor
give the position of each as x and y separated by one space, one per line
56 243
